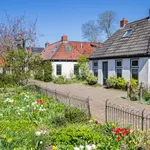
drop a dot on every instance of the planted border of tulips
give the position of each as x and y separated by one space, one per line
31 121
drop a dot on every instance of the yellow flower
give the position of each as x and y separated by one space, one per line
113 124
4 136
131 131
9 140
54 148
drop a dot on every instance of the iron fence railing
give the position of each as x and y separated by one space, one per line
66 98
127 117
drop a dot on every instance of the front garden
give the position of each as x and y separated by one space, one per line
30 120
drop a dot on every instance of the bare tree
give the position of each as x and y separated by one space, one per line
106 21
16 32
90 31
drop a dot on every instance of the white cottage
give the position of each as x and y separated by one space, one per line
64 55
125 54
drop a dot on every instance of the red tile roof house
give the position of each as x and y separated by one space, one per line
64 55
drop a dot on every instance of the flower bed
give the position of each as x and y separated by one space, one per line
31 121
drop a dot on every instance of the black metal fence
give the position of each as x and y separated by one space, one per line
66 98
127 117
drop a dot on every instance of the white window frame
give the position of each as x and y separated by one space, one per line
118 67
134 67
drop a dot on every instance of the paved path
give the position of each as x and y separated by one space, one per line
98 97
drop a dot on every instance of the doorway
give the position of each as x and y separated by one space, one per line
105 72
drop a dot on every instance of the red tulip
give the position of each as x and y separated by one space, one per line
113 128
127 130
41 101
96 122
117 132
124 133
118 138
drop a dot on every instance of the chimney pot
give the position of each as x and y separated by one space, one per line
123 22
64 38
46 44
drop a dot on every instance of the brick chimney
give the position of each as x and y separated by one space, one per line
46 44
123 22
64 38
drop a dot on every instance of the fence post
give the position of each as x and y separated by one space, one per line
68 97
128 89
106 110
142 121
55 94
88 106
141 90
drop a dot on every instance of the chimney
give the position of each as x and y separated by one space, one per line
123 22
46 44
64 38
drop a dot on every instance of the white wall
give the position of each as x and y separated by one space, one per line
91 66
126 69
67 68
144 69
111 67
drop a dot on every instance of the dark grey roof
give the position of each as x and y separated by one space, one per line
36 49
117 46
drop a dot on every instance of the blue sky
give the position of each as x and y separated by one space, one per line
59 17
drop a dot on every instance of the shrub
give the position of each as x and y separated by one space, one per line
60 80
111 82
91 79
59 121
120 83
134 93
75 115
146 96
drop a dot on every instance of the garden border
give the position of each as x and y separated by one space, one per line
65 98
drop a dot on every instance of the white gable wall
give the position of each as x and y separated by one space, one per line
144 69
67 67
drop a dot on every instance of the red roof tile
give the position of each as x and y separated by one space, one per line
57 51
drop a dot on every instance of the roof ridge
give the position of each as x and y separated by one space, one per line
138 20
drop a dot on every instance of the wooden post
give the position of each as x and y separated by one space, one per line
128 89
55 95
88 107
141 90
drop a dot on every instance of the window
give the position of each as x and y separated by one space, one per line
95 68
134 69
127 33
58 69
68 49
118 68
76 69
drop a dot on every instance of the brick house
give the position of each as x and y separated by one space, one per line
64 55
125 54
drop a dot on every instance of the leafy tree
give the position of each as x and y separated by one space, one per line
19 64
83 64
48 71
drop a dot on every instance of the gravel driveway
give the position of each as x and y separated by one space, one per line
98 96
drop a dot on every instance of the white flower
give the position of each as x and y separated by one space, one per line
88 147
76 148
41 142
34 103
28 106
1 114
94 146
38 133
43 131
90 121
18 113
81 147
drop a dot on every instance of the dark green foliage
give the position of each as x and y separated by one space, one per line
74 115
59 121
146 96
91 79
48 71
18 66
60 80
